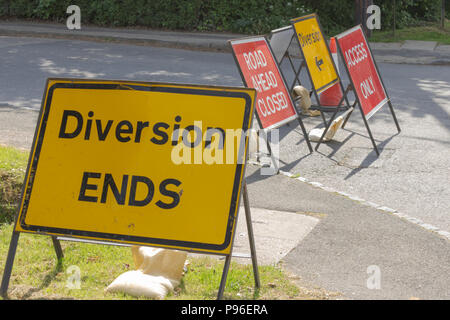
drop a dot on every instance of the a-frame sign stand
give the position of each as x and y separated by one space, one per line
361 67
281 40
316 55
320 67
254 58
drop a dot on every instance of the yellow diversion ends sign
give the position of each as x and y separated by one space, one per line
139 163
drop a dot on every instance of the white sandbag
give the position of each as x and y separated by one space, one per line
305 101
138 284
159 262
159 271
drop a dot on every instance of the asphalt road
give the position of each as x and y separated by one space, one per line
411 175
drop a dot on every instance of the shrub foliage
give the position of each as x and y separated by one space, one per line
240 16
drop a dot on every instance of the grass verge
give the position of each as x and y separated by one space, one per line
38 275
427 32
13 164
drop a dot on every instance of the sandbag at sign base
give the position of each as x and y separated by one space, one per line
159 272
138 284
315 134
305 101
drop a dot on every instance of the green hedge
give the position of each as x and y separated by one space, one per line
241 16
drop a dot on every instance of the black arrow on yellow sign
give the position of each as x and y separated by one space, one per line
319 63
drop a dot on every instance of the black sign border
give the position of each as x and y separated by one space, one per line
142 86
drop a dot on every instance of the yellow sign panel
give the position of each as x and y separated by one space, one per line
139 163
315 51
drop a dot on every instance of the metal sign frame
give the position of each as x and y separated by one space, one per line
286 55
56 235
352 86
281 123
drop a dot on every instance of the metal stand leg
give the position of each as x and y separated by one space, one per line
58 249
296 73
270 152
349 114
344 97
223 281
251 237
326 129
393 115
370 133
323 118
305 134
9 264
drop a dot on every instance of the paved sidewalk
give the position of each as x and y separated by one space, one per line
411 52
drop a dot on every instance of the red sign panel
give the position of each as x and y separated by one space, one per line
362 71
260 71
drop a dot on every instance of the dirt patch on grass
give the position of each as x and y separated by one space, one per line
27 292
10 190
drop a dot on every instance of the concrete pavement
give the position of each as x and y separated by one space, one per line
411 52
351 239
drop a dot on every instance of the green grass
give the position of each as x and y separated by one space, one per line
428 32
12 159
13 164
38 275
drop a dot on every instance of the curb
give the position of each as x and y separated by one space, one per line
215 46
219 44
385 209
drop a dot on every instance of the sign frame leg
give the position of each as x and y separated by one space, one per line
269 148
296 79
251 239
349 114
393 115
344 97
58 249
9 264
223 280
369 131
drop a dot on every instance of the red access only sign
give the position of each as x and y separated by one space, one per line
362 70
260 71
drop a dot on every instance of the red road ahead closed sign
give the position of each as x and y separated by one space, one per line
260 71
362 70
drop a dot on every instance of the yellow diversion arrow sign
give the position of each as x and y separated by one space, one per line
315 51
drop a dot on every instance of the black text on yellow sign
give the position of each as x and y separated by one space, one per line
119 161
